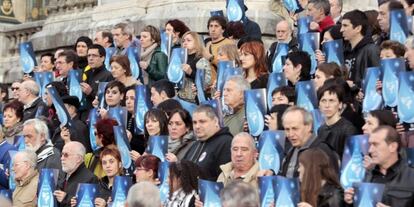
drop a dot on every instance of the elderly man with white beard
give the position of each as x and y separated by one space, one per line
36 138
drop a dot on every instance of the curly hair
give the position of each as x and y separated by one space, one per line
187 173
16 106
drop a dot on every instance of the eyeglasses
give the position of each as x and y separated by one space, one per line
66 155
14 88
139 168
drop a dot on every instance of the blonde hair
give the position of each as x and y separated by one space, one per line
199 47
232 53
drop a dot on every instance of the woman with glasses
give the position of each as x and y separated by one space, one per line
183 181
104 136
121 70
146 169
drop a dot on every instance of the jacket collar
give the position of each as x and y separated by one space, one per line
228 172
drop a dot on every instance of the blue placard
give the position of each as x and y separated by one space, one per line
12 184
398 26
372 99
281 50
410 156
101 94
166 43
255 109
93 118
292 6
286 191
42 79
390 68
86 194
110 51
304 24
175 71
267 193
318 120
309 42
271 145
410 24
352 169
142 105
120 190
133 56
188 106
62 113
74 80
306 95
406 97
119 114
47 185
122 142
217 13
27 57
275 80
235 10
158 146
218 108
222 68
163 175
334 51
7 193
200 85
19 142
209 192
368 194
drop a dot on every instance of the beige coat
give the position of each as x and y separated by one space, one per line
227 175
25 193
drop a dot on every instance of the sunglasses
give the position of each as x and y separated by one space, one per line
14 88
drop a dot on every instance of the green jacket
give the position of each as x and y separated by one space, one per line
157 69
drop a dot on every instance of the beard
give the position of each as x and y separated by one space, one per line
33 148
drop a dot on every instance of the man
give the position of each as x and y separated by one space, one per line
143 194
298 124
243 165
319 10
122 34
336 10
29 96
73 165
78 131
162 90
284 34
390 169
27 178
251 28
233 95
216 26
361 52
4 95
336 129
239 194
212 147
36 138
104 38
97 73
67 60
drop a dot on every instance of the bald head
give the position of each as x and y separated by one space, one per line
244 137
283 31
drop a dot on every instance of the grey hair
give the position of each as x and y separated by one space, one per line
247 135
322 4
239 194
31 86
290 25
307 117
126 28
209 110
78 148
39 126
410 42
28 156
240 81
143 194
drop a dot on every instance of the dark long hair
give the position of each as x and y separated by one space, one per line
160 117
187 173
317 167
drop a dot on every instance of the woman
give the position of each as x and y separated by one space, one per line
176 28
229 52
326 71
195 61
146 169
180 137
81 47
104 136
183 181
297 67
114 96
319 183
377 118
12 116
155 125
121 71
252 57
153 61
137 141
333 33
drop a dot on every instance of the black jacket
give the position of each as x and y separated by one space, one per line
365 54
251 28
49 157
336 134
399 184
104 191
331 196
78 132
81 175
211 153
38 106
293 46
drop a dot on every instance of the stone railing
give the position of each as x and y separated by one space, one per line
63 6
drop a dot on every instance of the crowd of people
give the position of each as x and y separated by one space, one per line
201 143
